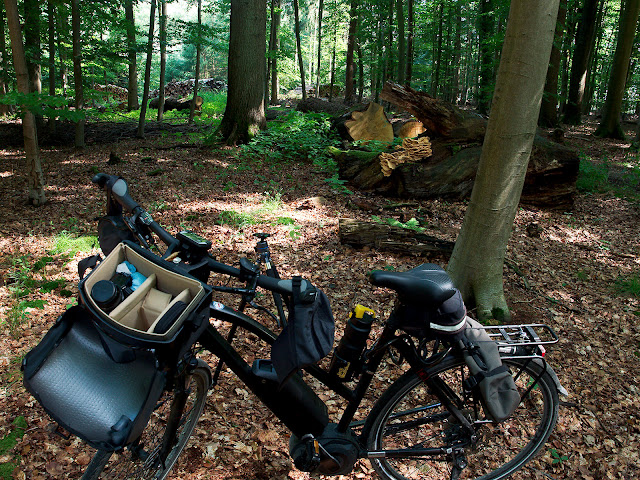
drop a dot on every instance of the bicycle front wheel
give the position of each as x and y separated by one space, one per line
141 460
409 416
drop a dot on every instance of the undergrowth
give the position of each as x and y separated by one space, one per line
621 180
628 285
7 443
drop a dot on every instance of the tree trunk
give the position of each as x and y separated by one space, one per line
62 56
583 49
410 27
360 73
32 44
4 109
147 71
572 16
52 46
457 55
162 21
402 45
244 113
274 46
299 48
549 109
596 59
132 94
438 61
610 126
485 31
77 71
332 79
32 151
388 57
320 9
477 261
349 67
192 110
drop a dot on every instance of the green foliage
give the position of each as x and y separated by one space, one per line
628 286
237 220
592 177
42 104
7 443
69 243
411 224
556 457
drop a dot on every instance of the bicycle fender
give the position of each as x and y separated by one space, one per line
561 390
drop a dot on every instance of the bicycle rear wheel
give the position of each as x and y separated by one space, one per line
408 415
141 461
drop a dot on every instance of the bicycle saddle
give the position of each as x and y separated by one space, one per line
427 283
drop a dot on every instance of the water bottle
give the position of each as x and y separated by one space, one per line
347 356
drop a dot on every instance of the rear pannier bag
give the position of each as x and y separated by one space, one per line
489 377
71 374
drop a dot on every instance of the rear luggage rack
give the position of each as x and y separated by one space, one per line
511 337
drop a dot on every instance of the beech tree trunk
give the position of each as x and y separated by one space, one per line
485 30
147 71
162 18
299 48
36 195
410 28
4 109
610 126
274 46
549 109
62 55
192 109
132 94
320 9
477 261
32 44
402 45
351 41
585 39
244 114
77 71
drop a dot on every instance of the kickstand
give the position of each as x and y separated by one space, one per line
459 463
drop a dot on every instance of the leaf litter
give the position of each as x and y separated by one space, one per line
565 277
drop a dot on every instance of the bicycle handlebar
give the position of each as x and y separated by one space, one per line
117 188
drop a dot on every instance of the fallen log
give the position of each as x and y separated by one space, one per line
456 144
372 124
172 103
390 238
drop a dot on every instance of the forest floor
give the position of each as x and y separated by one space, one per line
580 275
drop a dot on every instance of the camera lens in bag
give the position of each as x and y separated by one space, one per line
107 295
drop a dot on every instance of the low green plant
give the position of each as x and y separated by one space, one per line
628 286
8 442
556 458
593 177
66 242
411 224
235 219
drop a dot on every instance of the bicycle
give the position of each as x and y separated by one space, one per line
430 423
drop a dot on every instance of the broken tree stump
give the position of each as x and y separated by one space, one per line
390 238
172 103
456 144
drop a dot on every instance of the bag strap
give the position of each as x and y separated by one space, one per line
87 263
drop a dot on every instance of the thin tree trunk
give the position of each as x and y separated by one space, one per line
35 181
388 57
457 55
360 72
486 67
147 72
549 109
566 57
77 71
192 111
351 40
438 62
4 109
132 95
62 56
275 85
320 11
52 47
32 44
610 126
299 48
585 39
410 27
596 59
333 64
477 261
162 18
402 45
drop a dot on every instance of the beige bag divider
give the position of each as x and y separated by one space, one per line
144 308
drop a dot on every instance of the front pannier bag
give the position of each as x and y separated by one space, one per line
101 369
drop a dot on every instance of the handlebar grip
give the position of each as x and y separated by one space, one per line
118 188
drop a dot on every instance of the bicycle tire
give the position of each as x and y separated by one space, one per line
129 463
389 426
